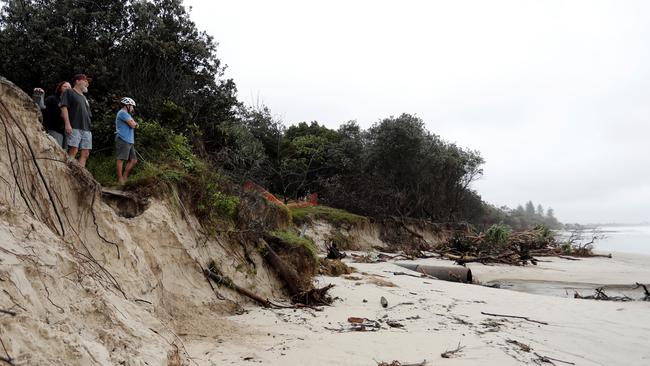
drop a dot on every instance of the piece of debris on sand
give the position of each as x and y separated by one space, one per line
384 302
397 363
453 352
381 282
357 324
522 346
353 278
334 268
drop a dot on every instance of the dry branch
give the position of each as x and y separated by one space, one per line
453 352
513 248
550 359
645 290
515 316
220 279
397 363
601 295
522 346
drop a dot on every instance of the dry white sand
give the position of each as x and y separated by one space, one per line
438 316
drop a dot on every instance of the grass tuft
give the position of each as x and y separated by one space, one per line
335 216
292 239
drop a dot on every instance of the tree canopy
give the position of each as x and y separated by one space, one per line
151 51
148 50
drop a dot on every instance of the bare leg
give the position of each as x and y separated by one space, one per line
83 156
72 152
129 166
120 179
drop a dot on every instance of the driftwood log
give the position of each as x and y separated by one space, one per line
287 274
309 295
445 273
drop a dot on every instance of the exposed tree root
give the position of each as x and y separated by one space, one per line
314 296
5 111
305 294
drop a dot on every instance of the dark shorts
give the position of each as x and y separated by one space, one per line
123 150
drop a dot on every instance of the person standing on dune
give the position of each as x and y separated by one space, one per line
76 114
125 127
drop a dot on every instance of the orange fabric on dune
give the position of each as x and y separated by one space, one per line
312 199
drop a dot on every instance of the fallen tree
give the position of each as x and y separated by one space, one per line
301 289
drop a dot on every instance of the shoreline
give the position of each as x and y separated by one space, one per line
437 316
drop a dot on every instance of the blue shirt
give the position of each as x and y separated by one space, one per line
122 129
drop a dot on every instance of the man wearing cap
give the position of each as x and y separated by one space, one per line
124 139
76 114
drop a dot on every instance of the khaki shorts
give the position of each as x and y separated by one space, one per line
81 138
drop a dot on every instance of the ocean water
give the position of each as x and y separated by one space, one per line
625 239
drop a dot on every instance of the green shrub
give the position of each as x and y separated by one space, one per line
497 235
342 241
158 145
334 216
102 167
283 210
166 157
210 195
163 156
292 239
217 205
544 234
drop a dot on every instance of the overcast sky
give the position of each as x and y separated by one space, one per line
554 94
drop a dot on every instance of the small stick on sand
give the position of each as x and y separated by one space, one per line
514 316
12 313
549 359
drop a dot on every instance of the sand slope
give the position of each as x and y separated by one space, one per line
89 286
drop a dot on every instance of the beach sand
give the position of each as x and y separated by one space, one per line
437 316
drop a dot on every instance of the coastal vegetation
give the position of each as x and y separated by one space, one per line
334 216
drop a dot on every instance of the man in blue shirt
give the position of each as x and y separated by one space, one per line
124 139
